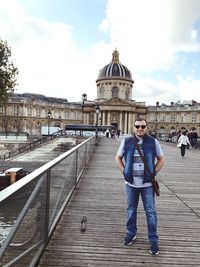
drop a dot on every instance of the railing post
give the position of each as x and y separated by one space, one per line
85 153
46 234
76 165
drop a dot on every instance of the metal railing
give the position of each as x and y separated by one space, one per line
31 145
31 208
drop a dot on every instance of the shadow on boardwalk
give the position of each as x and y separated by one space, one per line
100 196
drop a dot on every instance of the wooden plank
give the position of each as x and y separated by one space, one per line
100 196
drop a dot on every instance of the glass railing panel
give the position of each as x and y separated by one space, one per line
62 182
31 207
81 160
25 223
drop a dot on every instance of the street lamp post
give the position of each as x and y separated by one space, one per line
49 120
156 130
84 98
177 126
60 121
156 119
97 110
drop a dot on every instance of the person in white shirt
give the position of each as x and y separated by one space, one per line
183 140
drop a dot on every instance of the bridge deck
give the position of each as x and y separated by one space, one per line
100 196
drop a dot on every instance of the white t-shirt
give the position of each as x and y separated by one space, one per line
183 139
138 167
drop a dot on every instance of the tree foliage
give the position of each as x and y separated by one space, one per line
8 73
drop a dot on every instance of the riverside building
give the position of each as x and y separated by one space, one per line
28 112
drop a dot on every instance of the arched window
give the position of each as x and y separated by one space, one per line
127 94
115 91
101 91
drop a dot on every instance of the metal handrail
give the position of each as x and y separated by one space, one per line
31 145
48 206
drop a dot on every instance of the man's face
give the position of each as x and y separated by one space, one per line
140 128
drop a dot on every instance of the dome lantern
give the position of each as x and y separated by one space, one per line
115 56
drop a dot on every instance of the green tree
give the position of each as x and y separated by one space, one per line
8 73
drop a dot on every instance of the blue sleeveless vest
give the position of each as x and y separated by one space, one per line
149 150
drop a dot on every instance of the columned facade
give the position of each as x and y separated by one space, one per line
29 112
114 96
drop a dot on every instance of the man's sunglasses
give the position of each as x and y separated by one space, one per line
140 126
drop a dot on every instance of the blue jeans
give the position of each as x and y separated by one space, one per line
148 199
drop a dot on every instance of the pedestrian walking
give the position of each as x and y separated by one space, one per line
113 134
194 137
107 133
138 181
183 141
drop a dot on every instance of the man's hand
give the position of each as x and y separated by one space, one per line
120 163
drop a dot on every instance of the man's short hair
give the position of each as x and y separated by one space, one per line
140 119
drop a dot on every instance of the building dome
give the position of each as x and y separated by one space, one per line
115 70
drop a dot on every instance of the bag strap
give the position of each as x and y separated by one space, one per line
144 161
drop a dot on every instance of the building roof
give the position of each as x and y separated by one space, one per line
115 69
39 97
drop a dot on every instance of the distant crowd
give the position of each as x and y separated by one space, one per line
112 133
192 136
174 137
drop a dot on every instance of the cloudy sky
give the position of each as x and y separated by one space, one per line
59 46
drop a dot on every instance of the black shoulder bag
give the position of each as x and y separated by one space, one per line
155 184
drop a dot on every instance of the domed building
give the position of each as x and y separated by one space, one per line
29 112
114 96
115 80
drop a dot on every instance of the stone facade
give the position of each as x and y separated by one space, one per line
167 119
114 96
29 112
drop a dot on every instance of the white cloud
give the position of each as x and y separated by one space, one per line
152 31
189 88
151 90
47 58
147 34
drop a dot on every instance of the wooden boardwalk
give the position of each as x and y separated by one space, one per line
100 196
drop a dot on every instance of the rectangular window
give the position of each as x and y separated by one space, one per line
194 117
30 111
173 117
16 110
152 118
162 117
67 115
38 112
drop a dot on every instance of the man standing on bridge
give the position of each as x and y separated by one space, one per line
138 180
